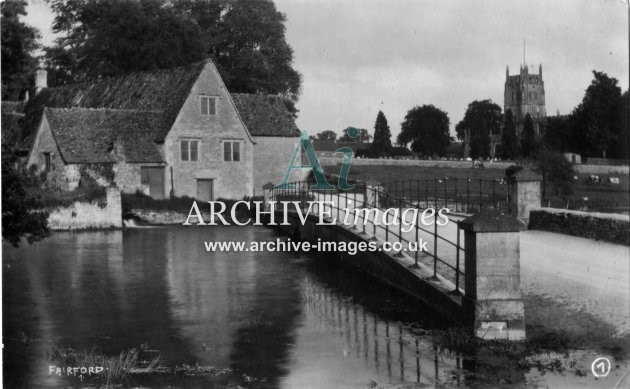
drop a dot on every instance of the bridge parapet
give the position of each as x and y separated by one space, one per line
492 275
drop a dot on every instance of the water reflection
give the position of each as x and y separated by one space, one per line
276 320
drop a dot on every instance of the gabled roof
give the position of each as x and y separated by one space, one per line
164 91
97 135
265 115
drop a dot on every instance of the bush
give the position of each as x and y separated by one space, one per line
401 152
140 201
87 191
557 172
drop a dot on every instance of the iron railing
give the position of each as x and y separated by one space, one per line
445 253
465 195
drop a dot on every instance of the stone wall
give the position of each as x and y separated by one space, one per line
60 176
127 177
272 155
600 226
328 161
602 169
86 216
232 180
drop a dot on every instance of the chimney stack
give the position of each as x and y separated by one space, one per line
41 80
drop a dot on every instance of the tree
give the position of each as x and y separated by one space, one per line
598 117
112 37
327 135
252 51
18 43
528 137
426 128
246 40
556 171
509 140
382 144
363 136
557 135
623 145
20 210
482 118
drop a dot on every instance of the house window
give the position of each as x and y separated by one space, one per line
189 149
207 105
47 164
232 151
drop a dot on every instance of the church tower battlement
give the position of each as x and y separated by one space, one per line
525 94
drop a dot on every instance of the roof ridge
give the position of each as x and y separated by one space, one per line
123 75
104 109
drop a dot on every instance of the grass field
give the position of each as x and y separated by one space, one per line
601 197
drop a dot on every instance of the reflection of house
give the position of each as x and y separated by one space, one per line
171 132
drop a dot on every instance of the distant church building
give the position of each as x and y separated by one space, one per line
525 94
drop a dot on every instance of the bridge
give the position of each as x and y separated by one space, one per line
465 266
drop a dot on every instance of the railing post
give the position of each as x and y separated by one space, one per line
467 195
435 245
400 222
480 196
415 264
493 300
435 190
456 194
457 248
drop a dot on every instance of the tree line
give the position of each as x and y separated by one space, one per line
597 127
103 38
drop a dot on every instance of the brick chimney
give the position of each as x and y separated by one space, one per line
41 80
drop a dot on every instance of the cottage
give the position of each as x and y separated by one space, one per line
174 132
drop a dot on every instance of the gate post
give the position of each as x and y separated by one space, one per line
371 196
492 278
525 193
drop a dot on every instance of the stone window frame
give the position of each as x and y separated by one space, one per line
231 152
204 105
188 149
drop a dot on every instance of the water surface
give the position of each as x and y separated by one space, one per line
275 320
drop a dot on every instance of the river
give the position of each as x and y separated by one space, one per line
260 319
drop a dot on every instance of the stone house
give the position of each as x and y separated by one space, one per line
174 132
275 136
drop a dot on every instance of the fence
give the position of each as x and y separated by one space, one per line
458 195
365 204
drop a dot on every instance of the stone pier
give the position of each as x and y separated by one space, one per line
493 288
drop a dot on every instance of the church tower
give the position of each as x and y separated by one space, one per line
525 94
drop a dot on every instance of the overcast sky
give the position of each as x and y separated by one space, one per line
359 56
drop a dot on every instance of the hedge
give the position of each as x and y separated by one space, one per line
607 227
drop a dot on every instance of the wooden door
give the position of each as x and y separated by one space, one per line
205 189
156 182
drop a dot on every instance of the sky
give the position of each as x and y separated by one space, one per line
357 57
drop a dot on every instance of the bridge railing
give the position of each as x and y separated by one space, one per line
461 195
443 252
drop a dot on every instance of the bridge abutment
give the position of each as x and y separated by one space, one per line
492 276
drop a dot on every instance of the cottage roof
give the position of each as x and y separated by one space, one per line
265 115
96 135
164 91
